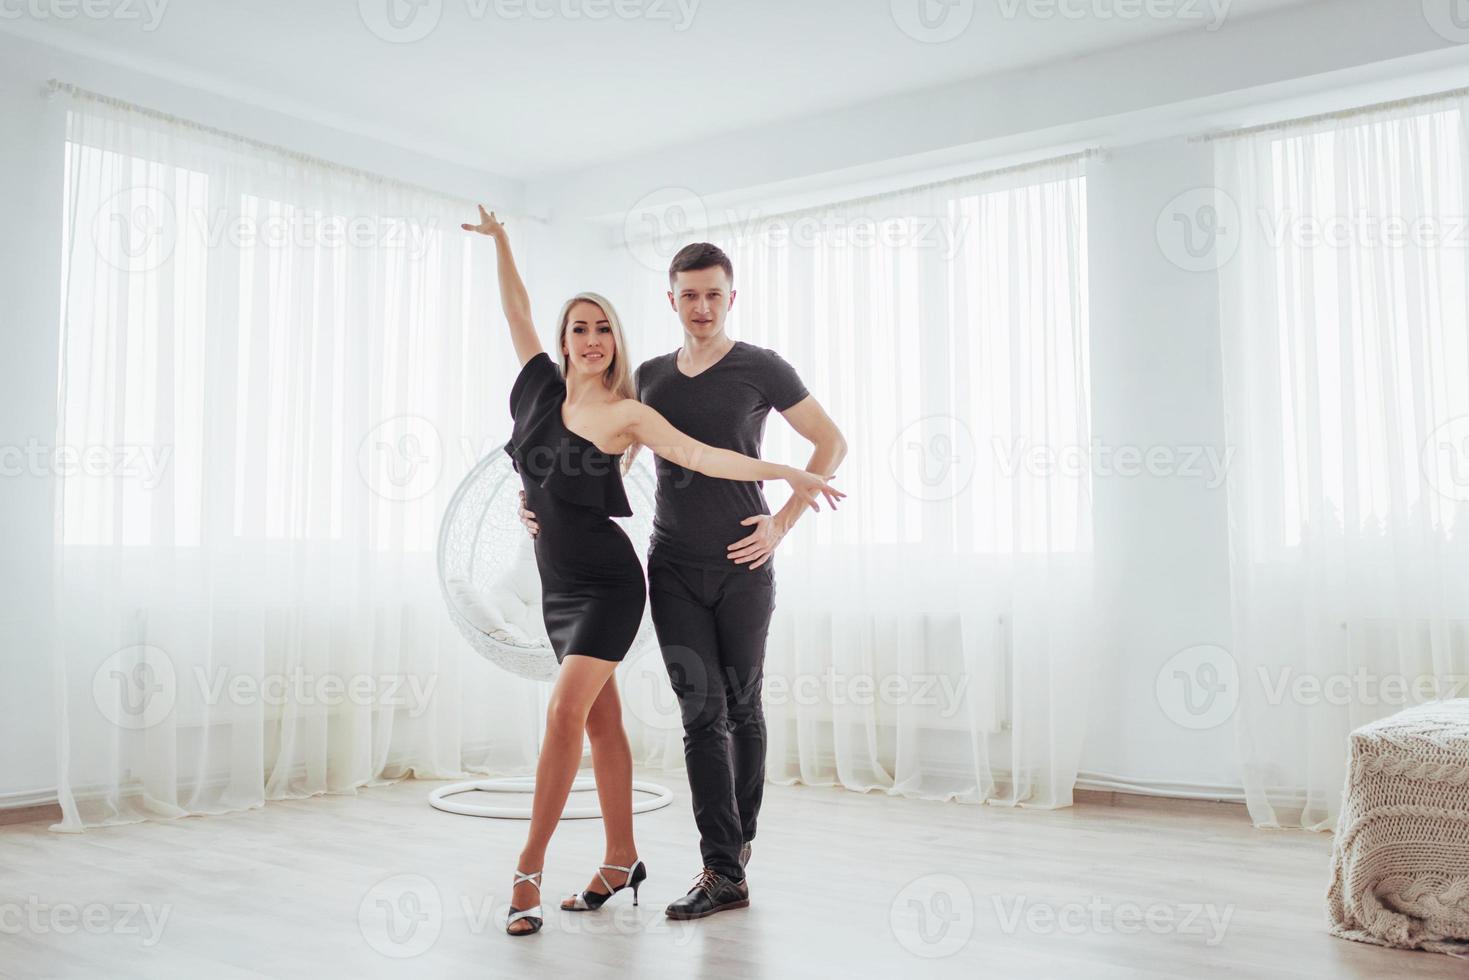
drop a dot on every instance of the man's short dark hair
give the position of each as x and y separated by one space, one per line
700 255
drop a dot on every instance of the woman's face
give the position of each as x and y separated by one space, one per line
588 342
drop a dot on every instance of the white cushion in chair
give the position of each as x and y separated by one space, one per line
511 608
502 612
524 578
525 621
482 611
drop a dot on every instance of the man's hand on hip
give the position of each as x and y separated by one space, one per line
527 518
756 549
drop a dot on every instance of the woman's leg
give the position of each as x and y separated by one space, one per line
578 683
612 763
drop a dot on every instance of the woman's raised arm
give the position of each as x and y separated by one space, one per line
514 300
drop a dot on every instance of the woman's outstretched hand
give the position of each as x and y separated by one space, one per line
488 224
808 486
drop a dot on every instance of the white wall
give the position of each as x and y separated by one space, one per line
30 194
1161 541
1322 55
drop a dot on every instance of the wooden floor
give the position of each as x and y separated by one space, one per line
842 885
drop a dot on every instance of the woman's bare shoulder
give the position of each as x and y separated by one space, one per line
630 408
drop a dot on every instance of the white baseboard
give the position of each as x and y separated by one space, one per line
28 798
1106 782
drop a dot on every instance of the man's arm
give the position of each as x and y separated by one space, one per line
809 419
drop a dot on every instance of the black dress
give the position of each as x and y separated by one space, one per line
592 585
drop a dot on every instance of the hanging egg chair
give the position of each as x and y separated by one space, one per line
488 577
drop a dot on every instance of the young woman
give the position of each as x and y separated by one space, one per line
574 431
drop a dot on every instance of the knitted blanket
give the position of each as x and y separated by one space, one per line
1400 861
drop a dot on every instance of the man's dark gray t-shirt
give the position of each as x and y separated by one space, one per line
698 517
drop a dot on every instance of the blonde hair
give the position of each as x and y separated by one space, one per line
618 376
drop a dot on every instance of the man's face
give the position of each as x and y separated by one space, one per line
702 299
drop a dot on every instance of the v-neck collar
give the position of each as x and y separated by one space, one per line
693 377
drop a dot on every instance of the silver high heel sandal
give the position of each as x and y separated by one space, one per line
590 901
534 915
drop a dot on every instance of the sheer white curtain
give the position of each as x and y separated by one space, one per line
274 372
1347 377
930 638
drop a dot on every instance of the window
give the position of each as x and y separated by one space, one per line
947 329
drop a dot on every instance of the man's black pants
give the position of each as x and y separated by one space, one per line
712 626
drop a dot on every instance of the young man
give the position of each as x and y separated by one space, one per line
711 582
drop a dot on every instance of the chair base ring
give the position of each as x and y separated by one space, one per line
656 798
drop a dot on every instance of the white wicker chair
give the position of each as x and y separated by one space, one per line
487 573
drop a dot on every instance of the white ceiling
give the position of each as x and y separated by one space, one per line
526 97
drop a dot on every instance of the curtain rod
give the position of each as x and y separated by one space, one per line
1076 157
1457 93
55 87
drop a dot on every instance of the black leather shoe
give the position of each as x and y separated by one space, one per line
712 892
745 854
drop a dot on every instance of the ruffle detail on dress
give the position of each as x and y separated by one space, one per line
552 456
576 472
